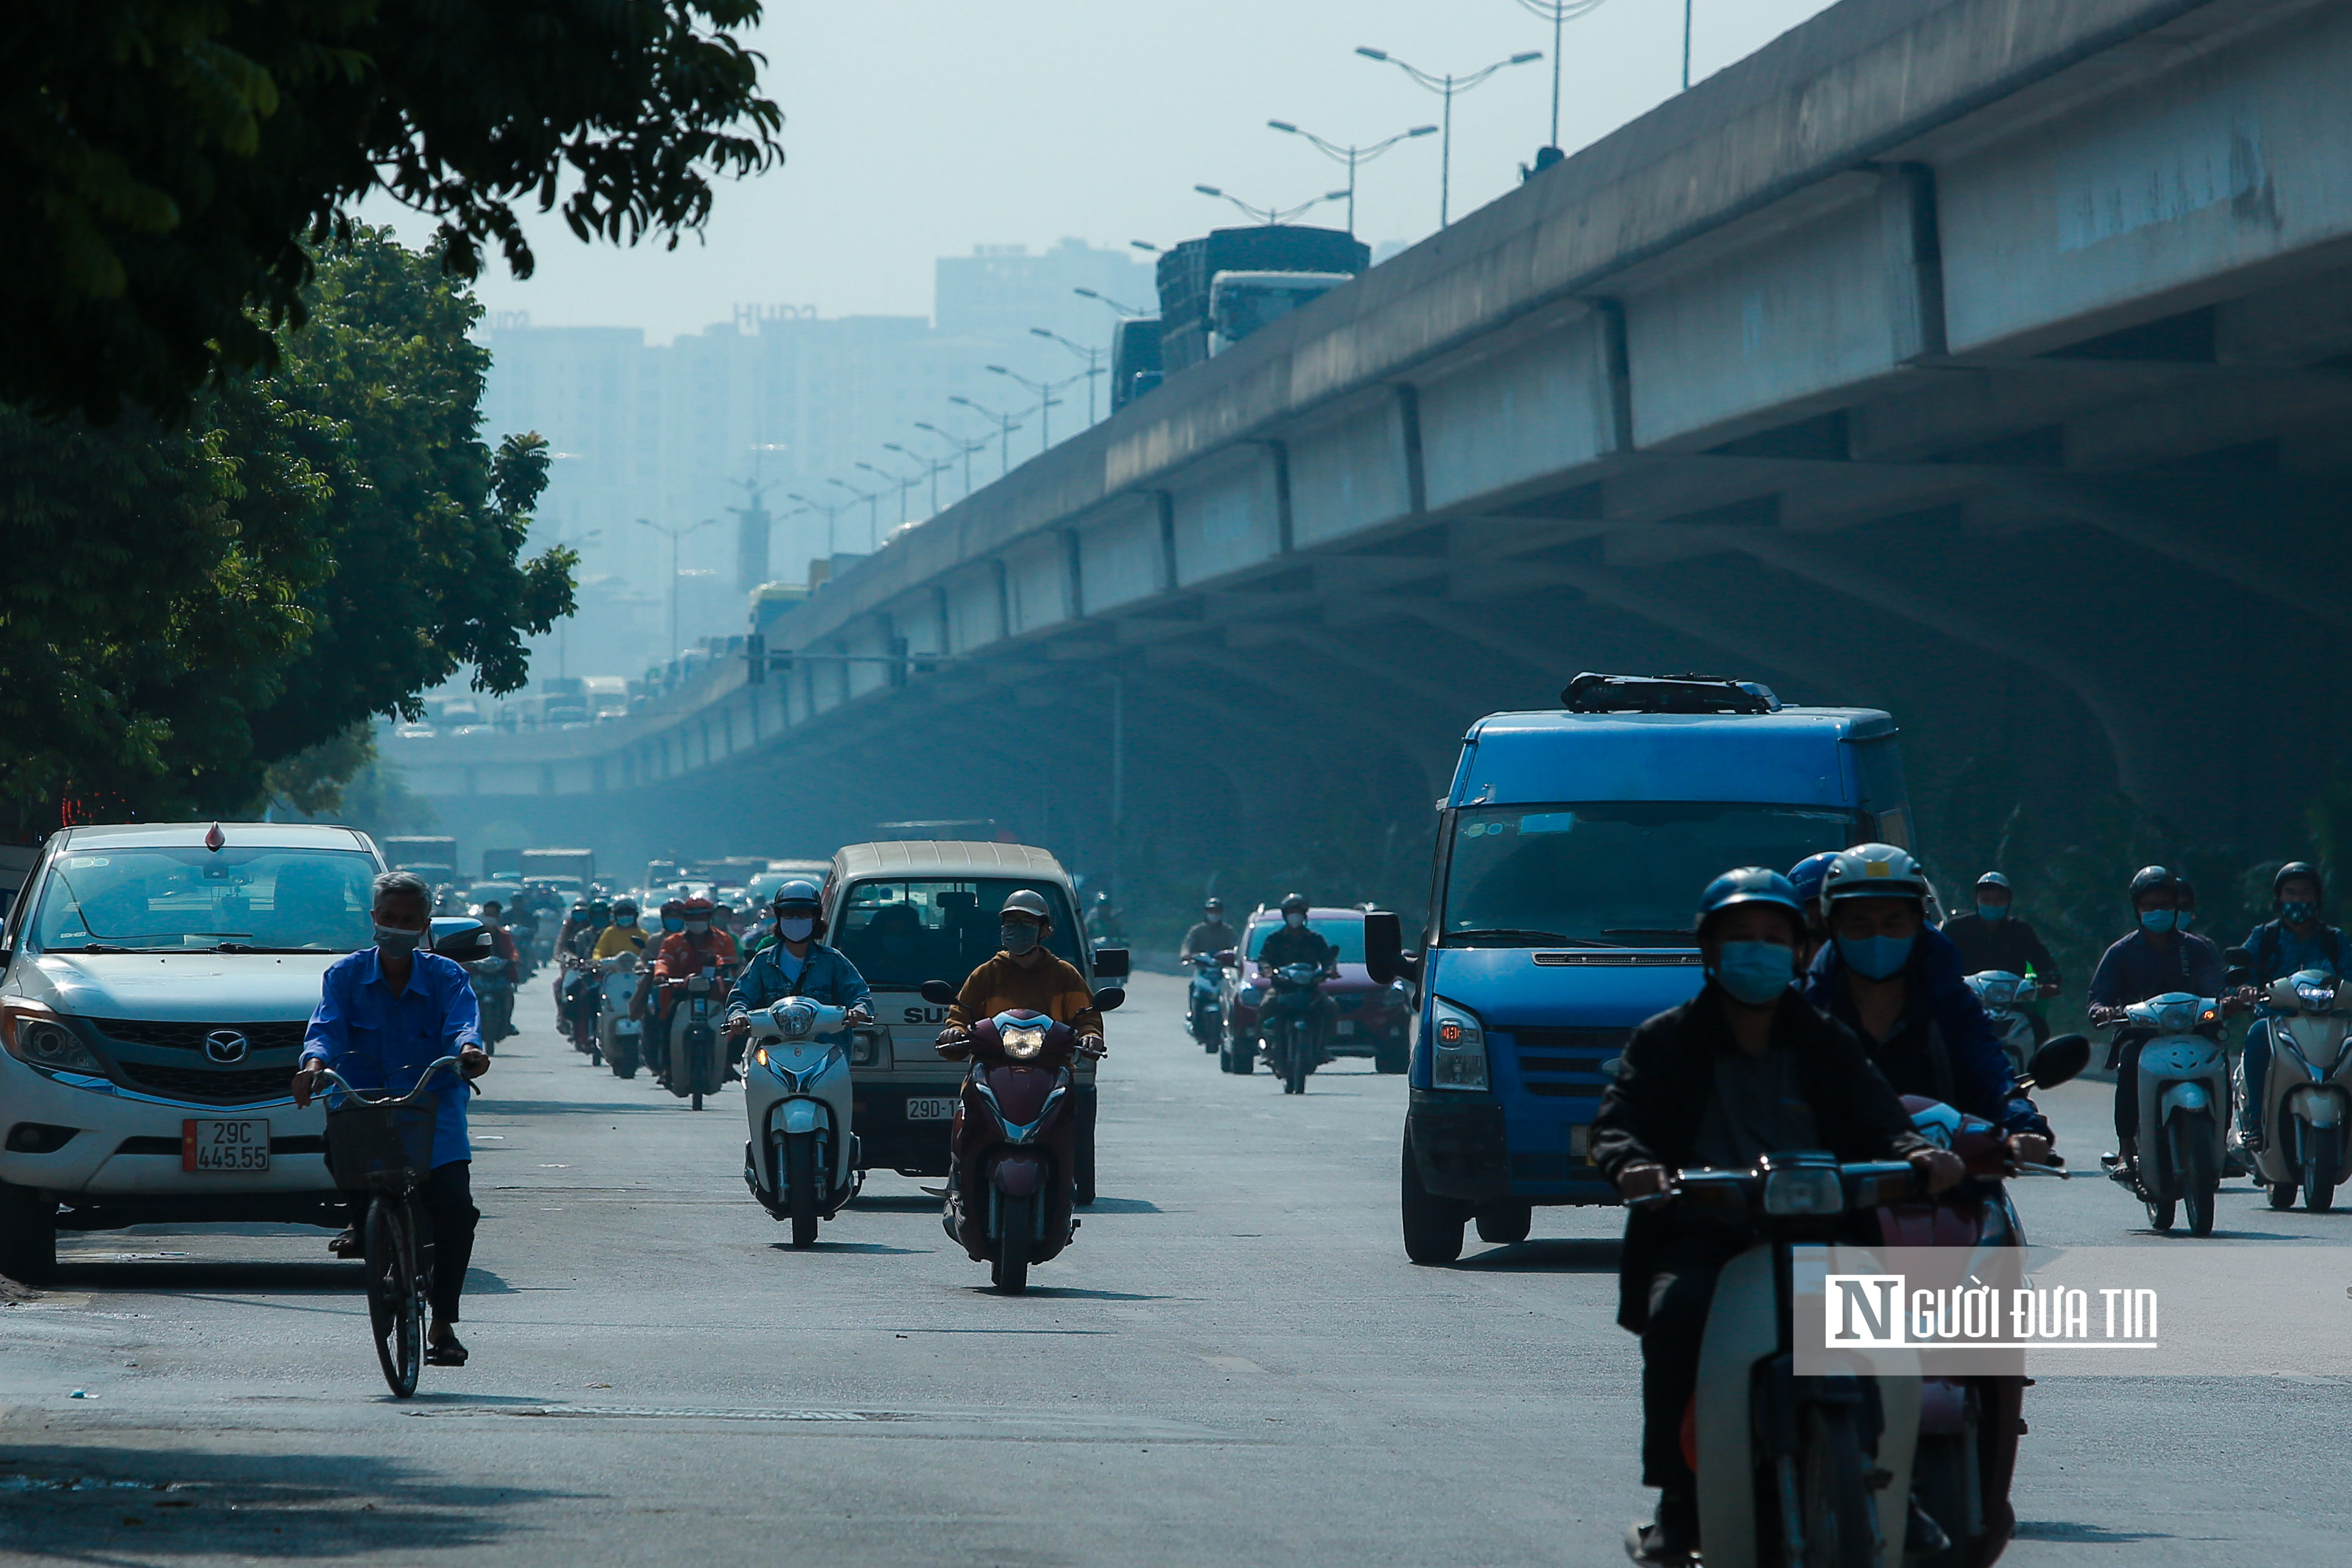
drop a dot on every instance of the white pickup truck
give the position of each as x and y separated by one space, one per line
155 981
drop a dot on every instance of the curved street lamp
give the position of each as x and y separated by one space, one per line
1351 155
1272 215
1446 85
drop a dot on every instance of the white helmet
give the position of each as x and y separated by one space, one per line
1873 872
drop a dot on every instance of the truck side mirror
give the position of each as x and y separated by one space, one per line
2060 1060
1109 999
938 993
1110 963
1383 946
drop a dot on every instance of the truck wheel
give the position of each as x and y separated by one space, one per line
1432 1225
29 1235
1505 1223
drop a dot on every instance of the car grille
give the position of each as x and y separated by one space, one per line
218 1086
1567 1062
283 1035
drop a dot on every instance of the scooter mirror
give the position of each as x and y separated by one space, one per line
1110 998
2063 1058
938 993
2242 967
1227 956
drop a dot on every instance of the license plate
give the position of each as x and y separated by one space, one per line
627 1025
1346 1025
224 1145
941 1108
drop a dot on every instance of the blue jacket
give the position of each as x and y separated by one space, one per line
1937 995
377 1040
828 978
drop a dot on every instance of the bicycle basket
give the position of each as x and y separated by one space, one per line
368 1142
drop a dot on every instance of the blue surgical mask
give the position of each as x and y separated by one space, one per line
393 939
625 923
671 922
1992 911
1755 972
2298 913
2183 919
795 928
2157 920
1876 957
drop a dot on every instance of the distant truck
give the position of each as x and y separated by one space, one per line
541 863
434 860
1134 359
501 865
1215 291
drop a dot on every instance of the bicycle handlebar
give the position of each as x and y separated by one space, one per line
361 1096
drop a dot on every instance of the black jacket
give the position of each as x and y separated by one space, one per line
1666 1077
2008 944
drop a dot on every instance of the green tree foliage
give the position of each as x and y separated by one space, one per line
187 605
163 162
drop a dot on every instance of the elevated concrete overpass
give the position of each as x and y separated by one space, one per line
1986 360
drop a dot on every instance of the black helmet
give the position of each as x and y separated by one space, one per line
1214 906
625 906
2153 879
600 910
797 897
1294 903
2296 869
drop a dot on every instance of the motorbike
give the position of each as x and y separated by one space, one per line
2004 996
1205 1010
583 1003
697 1056
1288 1024
2184 1109
2307 1104
619 1036
525 931
492 980
803 1161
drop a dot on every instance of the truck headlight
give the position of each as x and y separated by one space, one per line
1457 1056
40 1040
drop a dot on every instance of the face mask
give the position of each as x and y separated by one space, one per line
393 939
625 922
1755 972
2157 919
796 928
2183 919
1016 938
2299 913
1294 920
695 928
1992 911
671 922
1876 957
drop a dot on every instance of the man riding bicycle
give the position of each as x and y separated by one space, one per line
384 1015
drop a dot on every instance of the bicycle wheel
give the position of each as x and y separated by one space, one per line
395 1292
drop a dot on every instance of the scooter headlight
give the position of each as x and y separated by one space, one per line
1022 1044
2317 998
1805 1190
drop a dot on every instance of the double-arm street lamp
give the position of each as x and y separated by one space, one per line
873 499
1559 13
1351 155
830 513
962 446
1043 391
1445 87
930 466
1005 424
675 535
1106 299
1272 215
901 481
1092 356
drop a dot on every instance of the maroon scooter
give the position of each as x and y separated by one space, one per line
1013 1145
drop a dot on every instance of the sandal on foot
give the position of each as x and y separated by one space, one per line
448 1352
346 1244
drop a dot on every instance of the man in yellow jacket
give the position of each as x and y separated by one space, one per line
1025 975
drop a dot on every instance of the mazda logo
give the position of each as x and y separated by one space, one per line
225 1046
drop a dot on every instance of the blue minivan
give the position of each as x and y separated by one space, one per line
1571 856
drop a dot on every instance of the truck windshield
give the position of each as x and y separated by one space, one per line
1347 935
155 897
1244 306
1616 874
900 934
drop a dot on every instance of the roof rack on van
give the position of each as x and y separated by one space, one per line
1593 693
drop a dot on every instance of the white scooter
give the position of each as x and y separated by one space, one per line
2004 996
2307 1104
2184 1109
619 1036
802 1160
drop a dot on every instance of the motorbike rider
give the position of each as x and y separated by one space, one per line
2295 939
1025 975
673 920
1102 920
2155 959
1745 1068
1296 942
1212 934
1805 877
698 946
623 935
501 939
1897 984
797 964
1994 937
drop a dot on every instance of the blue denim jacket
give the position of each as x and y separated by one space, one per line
829 978
377 1040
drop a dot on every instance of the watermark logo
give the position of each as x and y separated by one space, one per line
1881 1312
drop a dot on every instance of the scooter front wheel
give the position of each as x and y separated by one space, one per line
1839 1531
1009 1272
800 1186
2201 1173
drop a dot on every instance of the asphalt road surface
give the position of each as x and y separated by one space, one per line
1233 1365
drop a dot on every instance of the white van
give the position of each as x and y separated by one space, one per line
155 981
916 909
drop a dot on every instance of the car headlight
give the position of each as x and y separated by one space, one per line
41 1041
1457 1056
1022 1044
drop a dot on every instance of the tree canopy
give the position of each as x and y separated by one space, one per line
170 166
187 604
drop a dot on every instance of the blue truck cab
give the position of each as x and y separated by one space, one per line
1571 852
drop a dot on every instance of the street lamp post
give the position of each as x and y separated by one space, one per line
1006 424
873 499
965 447
830 513
1094 364
1044 391
675 536
1106 299
1445 87
888 477
1272 215
1351 155
1559 13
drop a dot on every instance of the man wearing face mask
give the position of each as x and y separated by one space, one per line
2155 959
2295 940
385 1014
623 935
1896 982
1743 1069
1994 937
1023 974
798 964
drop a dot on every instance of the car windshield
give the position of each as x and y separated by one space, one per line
166 898
1347 935
1614 874
900 934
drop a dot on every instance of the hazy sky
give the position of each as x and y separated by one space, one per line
917 129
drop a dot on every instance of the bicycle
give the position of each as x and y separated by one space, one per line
384 1146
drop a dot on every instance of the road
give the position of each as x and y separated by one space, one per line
1233 1365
